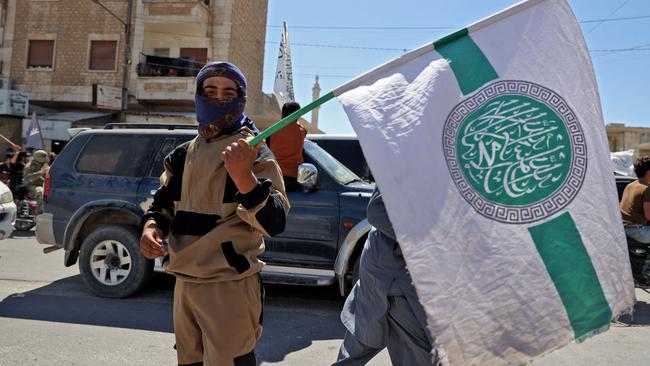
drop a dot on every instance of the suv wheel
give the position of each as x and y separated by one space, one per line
111 264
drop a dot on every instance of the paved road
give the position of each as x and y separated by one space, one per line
47 317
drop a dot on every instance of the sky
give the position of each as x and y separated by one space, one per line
339 40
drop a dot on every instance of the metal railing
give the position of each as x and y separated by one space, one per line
153 66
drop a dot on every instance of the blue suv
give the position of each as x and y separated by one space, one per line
102 182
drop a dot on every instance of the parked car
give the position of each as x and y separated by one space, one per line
346 149
103 181
7 212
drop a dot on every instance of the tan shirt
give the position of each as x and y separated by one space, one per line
230 250
635 194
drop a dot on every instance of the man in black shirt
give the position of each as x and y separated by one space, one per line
5 168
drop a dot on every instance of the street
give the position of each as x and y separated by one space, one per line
48 317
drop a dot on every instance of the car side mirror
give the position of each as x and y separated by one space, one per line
307 175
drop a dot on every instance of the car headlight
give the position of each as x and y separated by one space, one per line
6 197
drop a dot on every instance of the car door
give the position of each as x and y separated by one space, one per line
311 233
151 182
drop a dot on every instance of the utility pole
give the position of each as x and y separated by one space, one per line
127 49
127 57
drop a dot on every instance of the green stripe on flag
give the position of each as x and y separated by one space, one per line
569 265
290 118
470 66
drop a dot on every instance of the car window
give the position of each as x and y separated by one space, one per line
167 146
337 170
115 155
349 153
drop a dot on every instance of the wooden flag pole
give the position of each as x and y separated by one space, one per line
16 147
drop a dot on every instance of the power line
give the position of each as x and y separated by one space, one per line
319 27
610 14
298 44
400 27
606 20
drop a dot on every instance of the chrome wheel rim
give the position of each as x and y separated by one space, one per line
110 262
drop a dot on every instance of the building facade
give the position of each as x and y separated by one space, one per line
622 138
69 57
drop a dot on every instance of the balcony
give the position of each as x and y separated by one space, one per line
165 79
190 15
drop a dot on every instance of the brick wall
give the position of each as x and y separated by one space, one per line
71 23
11 128
247 45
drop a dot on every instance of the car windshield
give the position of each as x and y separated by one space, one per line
331 165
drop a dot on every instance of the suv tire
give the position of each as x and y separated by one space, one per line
120 269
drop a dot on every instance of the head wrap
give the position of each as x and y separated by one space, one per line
216 118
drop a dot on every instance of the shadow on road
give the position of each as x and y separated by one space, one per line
294 316
68 301
22 234
640 317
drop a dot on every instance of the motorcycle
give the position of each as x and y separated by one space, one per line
640 261
26 214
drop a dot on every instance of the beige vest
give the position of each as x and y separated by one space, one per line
210 257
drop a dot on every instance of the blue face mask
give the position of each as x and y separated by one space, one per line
216 118
224 116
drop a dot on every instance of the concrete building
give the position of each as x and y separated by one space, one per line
68 56
622 138
13 104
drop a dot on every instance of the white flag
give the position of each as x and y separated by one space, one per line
623 162
490 150
283 86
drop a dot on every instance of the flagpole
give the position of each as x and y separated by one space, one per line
361 79
16 147
338 91
290 118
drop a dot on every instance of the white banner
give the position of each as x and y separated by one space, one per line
283 86
490 150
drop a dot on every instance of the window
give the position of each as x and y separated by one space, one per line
167 146
115 155
332 166
40 53
195 54
102 55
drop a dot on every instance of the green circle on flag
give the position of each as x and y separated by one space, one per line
514 150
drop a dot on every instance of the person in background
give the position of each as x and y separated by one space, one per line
5 168
16 175
286 145
635 203
383 310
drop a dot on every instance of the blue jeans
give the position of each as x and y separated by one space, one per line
639 233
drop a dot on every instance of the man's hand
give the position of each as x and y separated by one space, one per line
151 241
238 158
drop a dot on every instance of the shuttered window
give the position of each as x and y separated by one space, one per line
102 55
40 53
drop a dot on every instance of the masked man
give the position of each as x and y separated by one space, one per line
218 197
